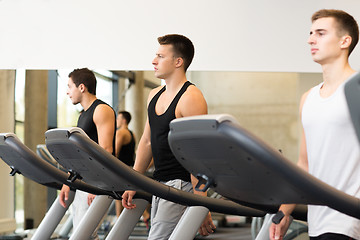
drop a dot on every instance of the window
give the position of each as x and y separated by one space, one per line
19 131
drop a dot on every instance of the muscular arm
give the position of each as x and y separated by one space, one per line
143 157
142 161
104 119
278 231
144 153
192 103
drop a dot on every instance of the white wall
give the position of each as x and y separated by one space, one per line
229 35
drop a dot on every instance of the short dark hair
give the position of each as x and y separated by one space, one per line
346 24
126 115
86 77
182 47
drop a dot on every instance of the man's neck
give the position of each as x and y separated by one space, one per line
124 126
174 83
87 100
336 73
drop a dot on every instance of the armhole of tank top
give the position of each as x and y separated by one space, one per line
183 89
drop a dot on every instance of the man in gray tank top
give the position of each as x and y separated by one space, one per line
177 99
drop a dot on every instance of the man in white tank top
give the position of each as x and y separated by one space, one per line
329 148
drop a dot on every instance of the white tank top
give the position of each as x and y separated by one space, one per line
334 157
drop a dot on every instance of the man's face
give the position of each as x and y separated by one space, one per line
325 41
73 92
164 62
119 120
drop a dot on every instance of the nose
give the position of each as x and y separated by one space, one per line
154 61
311 39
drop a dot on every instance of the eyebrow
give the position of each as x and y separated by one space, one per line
318 30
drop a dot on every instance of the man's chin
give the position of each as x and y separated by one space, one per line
158 75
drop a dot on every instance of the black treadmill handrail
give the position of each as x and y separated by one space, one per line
325 194
31 166
318 192
140 181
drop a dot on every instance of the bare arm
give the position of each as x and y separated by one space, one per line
142 161
144 152
143 157
104 119
192 103
277 231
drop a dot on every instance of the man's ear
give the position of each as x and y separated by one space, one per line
82 87
346 41
179 62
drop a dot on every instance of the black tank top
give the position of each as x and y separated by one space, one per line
127 152
166 166
86 122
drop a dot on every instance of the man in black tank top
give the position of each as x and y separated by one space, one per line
179 98
124 146
98 122
125 140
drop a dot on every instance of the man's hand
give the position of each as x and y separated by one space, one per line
127 198
64 195
207 227
90 198
278 231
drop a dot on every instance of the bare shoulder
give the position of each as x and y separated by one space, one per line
121 131
153 92
193 93
103 109
192 102
102 112
123 135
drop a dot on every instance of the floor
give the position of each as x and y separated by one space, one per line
242 232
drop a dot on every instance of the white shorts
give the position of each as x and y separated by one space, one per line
79 208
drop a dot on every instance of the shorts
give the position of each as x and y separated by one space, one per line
165 214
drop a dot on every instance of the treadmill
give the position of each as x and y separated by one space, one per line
242 167
22 160
74 150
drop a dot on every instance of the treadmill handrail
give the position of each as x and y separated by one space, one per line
140 181
33 163
194 128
